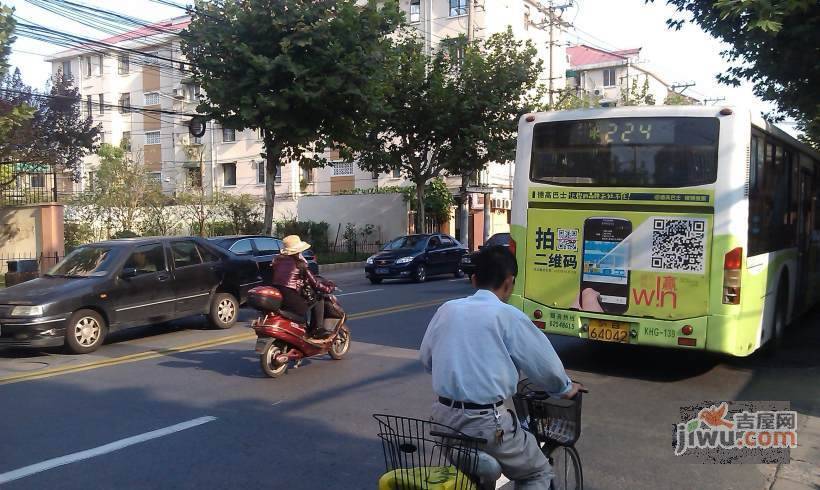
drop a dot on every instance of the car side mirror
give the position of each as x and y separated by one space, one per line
129 272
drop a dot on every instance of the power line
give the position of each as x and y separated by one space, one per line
79 100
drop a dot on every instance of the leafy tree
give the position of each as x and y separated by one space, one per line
199 209
449 113
241 211
675 98
158 218
571 99
632 95
121 188
773 44
301 71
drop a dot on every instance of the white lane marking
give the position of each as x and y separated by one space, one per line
460 279
501 482
360 292
99 451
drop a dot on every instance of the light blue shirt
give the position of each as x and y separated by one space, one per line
475 347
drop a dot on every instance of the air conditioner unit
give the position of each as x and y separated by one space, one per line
178 93
597 92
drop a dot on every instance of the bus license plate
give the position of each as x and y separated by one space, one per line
608 331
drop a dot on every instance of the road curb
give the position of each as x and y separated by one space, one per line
344 266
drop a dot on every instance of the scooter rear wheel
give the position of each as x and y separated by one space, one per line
341 344
267 359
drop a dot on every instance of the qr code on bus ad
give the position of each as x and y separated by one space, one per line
568 239
678 244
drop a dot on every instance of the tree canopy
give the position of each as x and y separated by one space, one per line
450 112
301 71
775 44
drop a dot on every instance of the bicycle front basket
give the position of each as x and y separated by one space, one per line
552 420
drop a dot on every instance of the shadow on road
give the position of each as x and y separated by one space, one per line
637 362
252 444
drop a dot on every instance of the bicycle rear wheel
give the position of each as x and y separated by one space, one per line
566 466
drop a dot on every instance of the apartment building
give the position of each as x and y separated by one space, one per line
610 74
225 160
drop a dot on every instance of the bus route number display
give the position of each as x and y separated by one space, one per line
624 131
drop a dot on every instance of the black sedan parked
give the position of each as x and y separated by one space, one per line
107 286
261 249
416 257
498 239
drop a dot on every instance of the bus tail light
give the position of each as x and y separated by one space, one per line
512 246
732 268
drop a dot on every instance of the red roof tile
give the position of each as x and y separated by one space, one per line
583 55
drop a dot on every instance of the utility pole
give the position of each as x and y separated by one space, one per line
713 100
464 205
551 22
682 86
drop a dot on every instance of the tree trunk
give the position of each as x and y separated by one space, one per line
273 154
464 218
420 215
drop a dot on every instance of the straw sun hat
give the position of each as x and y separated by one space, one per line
292 245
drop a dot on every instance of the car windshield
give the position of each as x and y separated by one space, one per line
415 242
84 262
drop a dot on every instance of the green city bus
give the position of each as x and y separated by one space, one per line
681 226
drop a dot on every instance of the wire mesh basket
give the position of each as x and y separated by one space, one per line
424 455
555 421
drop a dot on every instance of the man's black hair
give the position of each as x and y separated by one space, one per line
493 265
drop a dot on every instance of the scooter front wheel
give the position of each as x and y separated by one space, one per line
267 359
341 344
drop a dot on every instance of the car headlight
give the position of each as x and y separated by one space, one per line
27 311
370 260
405 260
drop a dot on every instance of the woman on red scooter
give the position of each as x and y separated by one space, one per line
301 290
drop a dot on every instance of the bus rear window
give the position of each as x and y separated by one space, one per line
626 152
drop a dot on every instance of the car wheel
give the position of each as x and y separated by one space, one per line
224 310
459 274
375 280
85 332
421 273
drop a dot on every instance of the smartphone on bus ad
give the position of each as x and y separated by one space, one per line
605 264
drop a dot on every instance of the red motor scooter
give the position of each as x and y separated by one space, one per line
282 335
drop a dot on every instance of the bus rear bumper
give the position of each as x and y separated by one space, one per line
715 333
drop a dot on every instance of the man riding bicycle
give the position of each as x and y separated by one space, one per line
475 347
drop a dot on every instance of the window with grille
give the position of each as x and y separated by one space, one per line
458 7
125 141
67 69
228 135
152 138
125 103
229 174
260 172
415 10
123 64
342 168
396 173
88 66
152 98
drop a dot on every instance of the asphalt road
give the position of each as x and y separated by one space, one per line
178 406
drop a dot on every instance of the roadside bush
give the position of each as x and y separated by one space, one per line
77 233
314 233
124 234
220 228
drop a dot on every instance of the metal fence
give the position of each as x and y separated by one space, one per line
28 264
352 251
22 184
